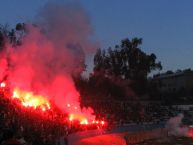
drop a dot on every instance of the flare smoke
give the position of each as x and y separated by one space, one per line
50 53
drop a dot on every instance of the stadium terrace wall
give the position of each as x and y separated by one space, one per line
129 128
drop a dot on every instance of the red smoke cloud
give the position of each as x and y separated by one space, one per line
50 53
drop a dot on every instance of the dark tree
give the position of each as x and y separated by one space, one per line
126 61
3 36
2 41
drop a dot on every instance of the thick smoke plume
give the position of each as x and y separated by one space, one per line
51 52
174 126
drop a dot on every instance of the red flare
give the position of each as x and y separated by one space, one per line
3 85
28 99
102 122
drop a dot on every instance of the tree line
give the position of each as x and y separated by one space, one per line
119 73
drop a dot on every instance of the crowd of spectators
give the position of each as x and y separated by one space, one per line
30 126
36 127
126 112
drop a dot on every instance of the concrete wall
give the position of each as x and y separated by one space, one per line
134 128
132 138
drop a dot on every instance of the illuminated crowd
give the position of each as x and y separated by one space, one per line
39 127
31 126
35 126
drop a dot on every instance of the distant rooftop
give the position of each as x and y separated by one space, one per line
174 74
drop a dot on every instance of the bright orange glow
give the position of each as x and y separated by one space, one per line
71 117
84 121
79 118
28 99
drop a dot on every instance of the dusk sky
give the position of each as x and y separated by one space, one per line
166 26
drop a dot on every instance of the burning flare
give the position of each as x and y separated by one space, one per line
28 99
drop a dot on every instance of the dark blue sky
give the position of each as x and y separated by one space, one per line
166 26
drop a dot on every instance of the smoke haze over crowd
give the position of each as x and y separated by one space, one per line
50 54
